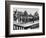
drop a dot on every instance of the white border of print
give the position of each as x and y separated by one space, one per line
25 31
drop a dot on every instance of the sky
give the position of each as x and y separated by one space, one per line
29 10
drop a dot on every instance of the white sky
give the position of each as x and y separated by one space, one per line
29 10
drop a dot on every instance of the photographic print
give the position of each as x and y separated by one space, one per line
25 19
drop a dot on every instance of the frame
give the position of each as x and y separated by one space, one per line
7 18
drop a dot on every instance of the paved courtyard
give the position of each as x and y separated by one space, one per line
26 24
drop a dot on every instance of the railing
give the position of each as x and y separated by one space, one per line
17 27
